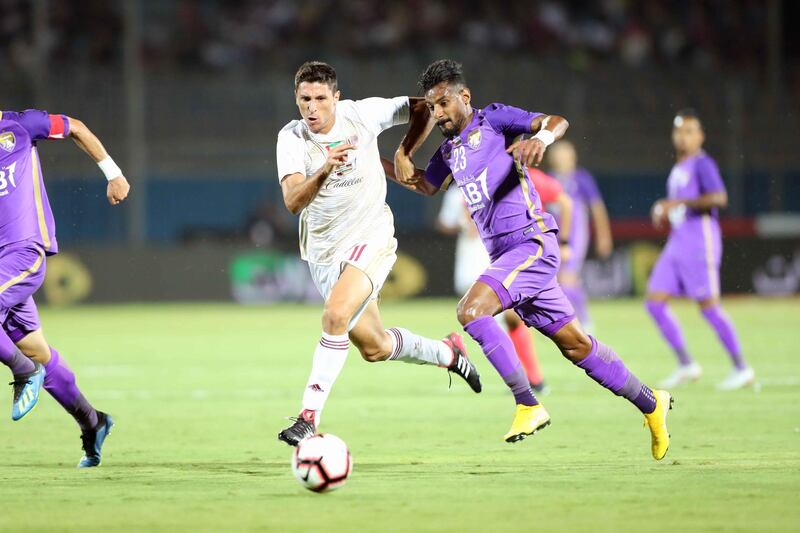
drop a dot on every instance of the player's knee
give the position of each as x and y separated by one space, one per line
469 310
335 321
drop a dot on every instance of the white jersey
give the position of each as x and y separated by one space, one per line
350 207
471 255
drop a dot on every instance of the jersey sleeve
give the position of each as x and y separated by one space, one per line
708 175
437 172
587 187
382 113
40 124
290 155
548 187
509 120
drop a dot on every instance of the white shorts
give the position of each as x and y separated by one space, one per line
374 258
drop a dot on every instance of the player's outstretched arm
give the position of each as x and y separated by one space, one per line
299 190
547 130
118 186
565 205
604 244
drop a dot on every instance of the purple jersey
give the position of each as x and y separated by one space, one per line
582 189
689 264
500 195
25 213
694 231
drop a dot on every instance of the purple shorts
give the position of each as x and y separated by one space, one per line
22 268
524 279
685 274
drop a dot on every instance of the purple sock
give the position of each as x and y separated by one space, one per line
727 334
670 329
500 352
606 368
59 381
577 297
14 359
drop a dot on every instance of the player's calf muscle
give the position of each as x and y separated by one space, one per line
573 343
374 345
35 346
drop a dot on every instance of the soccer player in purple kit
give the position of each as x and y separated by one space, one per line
689 265
588 205
486 156
27 237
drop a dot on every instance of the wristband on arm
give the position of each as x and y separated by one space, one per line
546 136
109 168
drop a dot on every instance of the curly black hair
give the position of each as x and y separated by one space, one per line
439 71
315 71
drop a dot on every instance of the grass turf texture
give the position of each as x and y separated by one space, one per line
199 394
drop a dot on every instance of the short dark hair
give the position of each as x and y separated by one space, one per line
442 70
315 71
688 112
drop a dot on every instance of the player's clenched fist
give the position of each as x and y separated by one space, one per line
337 156
659 213
117 190
404 169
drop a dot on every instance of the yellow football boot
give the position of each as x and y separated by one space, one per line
657 423
528 420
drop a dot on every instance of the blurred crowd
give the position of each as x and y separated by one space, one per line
236 34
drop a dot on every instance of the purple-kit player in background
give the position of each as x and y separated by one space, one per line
27 237
588 205
689 265
485 156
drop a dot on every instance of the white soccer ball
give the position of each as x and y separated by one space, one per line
322 462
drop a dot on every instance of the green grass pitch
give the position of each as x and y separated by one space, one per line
200 392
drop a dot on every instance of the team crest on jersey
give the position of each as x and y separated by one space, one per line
474 139
8 141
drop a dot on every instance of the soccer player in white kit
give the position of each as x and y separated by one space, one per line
332 175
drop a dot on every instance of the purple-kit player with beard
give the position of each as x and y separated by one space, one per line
689 265
27 237
485 156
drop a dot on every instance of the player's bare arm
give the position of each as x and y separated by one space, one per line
420 187
118 186
703 203
419 128
299 190
547 129
604 244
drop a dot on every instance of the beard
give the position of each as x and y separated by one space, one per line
448 128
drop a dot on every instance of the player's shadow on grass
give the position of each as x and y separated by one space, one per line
255 468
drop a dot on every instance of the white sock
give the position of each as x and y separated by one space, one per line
329 358
411 348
